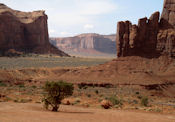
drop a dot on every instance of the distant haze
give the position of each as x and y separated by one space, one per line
87 45
72 17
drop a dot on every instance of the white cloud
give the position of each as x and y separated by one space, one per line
78 12
95 7
51 31
71 15
64 33
88 26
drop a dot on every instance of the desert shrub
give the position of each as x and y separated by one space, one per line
77 101
85 87
2 84
115 101
16 100
55 92
34 87
137 93
88 95
139 97
108 86
135 101
96 91
80 86
158 110
144 101
21 86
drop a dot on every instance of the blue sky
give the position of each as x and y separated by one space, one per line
72 17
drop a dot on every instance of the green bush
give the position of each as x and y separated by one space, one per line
21 86
2 84
96 91
115 101
34 87
137 93
55 92
144 101
88 95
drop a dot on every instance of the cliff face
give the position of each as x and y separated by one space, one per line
85 42
138 39
168 14
151 37
25 32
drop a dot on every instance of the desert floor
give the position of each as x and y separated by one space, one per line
30 112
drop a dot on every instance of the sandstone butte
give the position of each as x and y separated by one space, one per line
88 43
25 32
151 38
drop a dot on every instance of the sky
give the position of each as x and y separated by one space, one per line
73 17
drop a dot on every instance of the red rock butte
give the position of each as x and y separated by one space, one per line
151 38
25 32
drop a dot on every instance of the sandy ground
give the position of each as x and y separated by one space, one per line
29 112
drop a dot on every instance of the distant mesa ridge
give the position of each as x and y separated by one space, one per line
151 38
88 43
25 32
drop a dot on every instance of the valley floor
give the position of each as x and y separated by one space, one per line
29 112
124 81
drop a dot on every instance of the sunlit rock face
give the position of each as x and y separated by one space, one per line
90 42
151 38
25 32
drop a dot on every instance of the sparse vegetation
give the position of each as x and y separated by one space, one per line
2 84
115 101
77 100
34 87
23 92
55 92
137 93
144 101
47 61
21 86
96 91
88 95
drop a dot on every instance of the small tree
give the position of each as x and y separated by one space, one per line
55 92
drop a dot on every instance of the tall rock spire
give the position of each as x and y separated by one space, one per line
151 38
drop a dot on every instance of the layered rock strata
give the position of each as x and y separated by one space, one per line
91 41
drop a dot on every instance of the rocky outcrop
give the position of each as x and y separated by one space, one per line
138 39
166 42
150 38
25 32
166 35
168 14
86 42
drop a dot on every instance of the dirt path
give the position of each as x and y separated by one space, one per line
19 112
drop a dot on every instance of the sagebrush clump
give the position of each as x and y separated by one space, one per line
144 101
55 92
115 101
